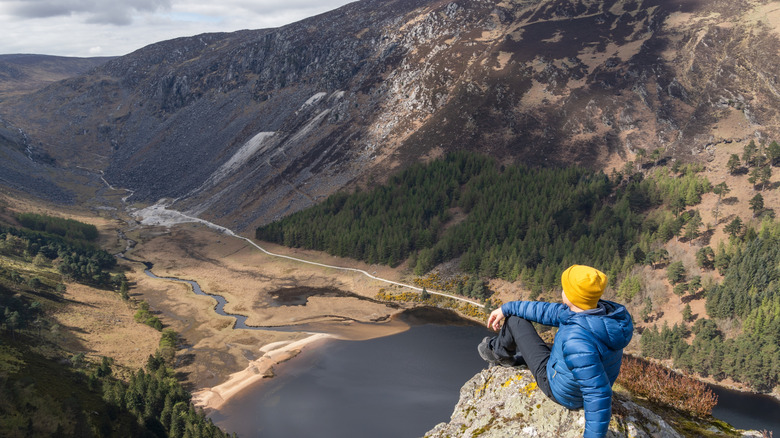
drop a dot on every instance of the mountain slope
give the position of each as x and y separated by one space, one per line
245 127
23 73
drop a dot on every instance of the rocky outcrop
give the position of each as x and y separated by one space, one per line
504 402
29 171
242 128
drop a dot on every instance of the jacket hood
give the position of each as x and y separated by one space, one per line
614 329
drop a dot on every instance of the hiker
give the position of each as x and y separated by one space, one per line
584 361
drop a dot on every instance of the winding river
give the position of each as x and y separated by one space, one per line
221 301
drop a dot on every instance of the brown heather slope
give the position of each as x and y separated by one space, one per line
92 321
22 73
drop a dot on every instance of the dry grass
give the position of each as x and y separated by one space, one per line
99 323
246 278
95 322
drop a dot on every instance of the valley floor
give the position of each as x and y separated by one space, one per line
218 359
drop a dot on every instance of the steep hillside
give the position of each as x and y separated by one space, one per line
245 127
74 359
29 170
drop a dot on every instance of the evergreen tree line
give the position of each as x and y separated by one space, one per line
474 287
67 228
79 261
751 279
386 224
159 403
752 357
16 313
512 222
750 295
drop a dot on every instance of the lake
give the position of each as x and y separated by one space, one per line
746 410
391 387
398 386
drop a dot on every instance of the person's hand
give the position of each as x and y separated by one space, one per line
495 319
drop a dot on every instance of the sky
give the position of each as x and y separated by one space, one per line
87 28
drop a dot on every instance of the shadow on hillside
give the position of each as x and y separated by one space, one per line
706 236
688 298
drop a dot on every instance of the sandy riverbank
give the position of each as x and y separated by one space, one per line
273 354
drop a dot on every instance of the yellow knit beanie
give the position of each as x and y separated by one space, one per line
583 285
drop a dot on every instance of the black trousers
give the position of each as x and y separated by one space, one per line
519 338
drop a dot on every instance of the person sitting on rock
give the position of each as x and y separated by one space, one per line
584 361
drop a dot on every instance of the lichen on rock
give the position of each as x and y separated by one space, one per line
506 402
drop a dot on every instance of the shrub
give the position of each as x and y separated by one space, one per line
144 316
661 385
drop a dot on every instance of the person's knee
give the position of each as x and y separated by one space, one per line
518 322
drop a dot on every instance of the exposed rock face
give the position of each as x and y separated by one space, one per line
505 402
30 171
242 128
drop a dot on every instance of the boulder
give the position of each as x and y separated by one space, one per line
506 402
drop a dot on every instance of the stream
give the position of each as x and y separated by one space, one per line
221 301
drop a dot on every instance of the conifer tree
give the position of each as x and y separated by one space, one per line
734 228
695 284
687 313
733 164
705 257
749 153
757 204
773 153
721 190
764 175
675 272
692 227
646 310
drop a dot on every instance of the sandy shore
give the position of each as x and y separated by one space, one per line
273 354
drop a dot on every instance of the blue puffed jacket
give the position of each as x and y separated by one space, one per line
586 355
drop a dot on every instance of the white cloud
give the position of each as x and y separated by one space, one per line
119 13
118 27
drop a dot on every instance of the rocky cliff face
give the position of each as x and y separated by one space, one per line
505 402
245 127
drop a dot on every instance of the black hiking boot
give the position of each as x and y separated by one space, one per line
486 353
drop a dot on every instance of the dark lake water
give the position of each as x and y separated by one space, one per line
747 411
395 387
391 387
